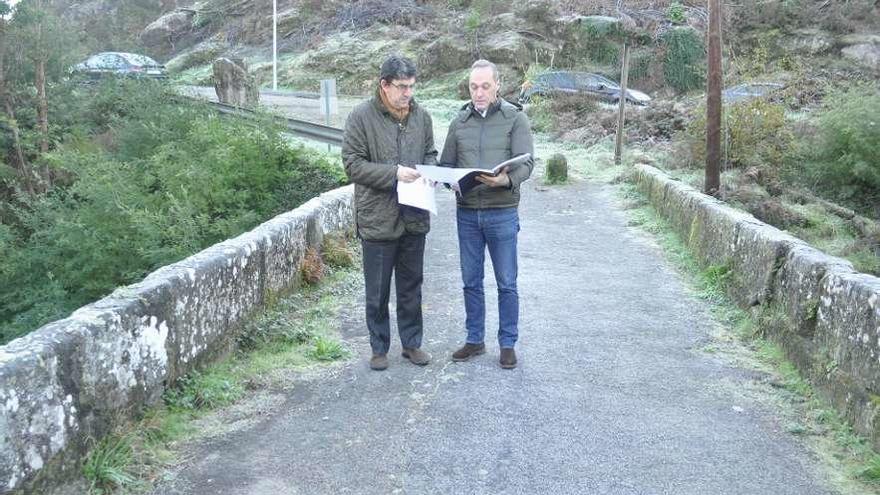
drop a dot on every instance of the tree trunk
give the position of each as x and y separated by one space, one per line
712 184
42 106
19 162
42 101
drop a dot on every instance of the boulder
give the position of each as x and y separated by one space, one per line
168 5
537 14
557 170
201 54
809 42
160 34
233 84
867 54
444 55
508 47
858 39
516 49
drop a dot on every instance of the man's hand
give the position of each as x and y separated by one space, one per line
406 174
500 180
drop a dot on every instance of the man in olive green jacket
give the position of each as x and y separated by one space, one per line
488 131
385 138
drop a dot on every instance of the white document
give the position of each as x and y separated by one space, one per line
445 175
419 193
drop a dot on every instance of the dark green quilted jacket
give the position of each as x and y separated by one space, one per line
374 144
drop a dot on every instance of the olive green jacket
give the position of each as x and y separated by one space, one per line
374 144
474 141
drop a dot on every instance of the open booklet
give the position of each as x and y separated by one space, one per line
465 179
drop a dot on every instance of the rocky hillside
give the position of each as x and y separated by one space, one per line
346 39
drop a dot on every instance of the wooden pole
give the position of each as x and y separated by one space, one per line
713 103
621 115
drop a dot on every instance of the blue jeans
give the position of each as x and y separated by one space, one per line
496 229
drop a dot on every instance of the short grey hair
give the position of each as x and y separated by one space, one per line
483 63
397 67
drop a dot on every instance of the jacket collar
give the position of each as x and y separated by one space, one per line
382 109
506 108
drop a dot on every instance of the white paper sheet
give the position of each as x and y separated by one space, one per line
419 193
445 175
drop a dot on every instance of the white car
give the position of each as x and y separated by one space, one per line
120 64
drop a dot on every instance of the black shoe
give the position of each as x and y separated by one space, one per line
468 351
379 362
417 356
508 358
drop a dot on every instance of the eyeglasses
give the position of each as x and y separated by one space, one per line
404 87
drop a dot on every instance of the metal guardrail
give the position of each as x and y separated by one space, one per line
293 94
300 128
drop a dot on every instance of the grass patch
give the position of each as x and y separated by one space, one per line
207 390
445 86
295 333
327 349
109 465
596 162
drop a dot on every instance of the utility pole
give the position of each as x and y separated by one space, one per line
274 45
713 103
621 115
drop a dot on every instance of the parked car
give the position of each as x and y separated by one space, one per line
585 83
119 64
748 91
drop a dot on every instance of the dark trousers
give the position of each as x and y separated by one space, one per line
405 257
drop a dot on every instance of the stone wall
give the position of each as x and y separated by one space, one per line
824 314
71 381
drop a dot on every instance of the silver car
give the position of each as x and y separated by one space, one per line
584 83
120 64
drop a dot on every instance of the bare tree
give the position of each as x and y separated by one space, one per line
43 47
18 160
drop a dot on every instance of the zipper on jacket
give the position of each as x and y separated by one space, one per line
480 157
400 130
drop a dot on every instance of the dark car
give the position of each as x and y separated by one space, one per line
747 91
585 83
119 64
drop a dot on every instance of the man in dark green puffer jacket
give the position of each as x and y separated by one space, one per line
488 131
385 138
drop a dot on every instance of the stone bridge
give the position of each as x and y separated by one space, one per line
613 393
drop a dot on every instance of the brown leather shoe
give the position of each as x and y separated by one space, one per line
416 356
379 362
468 351
508 358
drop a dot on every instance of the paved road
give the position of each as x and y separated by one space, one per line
612 395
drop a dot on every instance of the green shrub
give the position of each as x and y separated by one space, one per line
754 134
845 159
600 41
684 60
675 13
168 179
540 114
336 252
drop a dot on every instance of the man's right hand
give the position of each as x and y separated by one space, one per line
406 174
